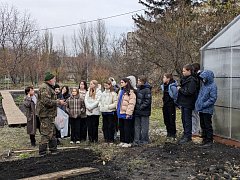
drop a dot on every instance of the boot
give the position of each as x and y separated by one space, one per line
33 144
42 149
33 140
53 146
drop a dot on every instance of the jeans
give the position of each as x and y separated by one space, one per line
206 125
126 129
108 127
169 116
83 129
187 122
141 130
75 129
195 123
92 127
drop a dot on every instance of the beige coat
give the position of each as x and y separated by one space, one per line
31 115
128 103
108 101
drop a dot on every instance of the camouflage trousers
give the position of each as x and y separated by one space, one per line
48 135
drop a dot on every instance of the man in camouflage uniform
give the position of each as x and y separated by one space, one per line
47 111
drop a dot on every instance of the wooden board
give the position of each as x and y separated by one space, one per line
13 113
64 174
35 150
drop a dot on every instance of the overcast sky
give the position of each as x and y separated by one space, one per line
50 13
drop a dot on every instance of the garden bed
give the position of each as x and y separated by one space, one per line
166 161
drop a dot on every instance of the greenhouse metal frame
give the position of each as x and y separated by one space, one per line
222 55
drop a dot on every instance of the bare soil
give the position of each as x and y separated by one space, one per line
168 161
52 163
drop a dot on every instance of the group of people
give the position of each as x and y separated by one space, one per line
126 108
195 96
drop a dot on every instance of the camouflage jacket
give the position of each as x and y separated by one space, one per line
47 101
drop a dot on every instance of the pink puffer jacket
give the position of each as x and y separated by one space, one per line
128 103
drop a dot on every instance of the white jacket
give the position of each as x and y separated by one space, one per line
93 104
108 101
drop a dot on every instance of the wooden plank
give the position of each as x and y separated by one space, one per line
64 174
35 150
13 113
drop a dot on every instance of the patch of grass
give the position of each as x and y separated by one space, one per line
19 99
136 164
14 139
24 155
157 117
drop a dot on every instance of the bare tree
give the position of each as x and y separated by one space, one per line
101 39
17 36
170 35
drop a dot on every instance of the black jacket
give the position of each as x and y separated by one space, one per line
144 101
187 94
198 80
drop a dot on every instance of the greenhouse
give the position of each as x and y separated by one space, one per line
222 55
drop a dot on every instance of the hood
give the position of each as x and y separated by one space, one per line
207 76
133 82
98 89
114 83
174 83
147 85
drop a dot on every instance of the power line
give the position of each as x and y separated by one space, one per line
84 22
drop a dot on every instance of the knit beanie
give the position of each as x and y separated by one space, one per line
48 76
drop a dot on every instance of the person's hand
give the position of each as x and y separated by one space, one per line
89 110
127 116
178 87
62 102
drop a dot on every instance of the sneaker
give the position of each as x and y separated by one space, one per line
185 140
206 145
71 142
77 142
120 145
135 144
168 139
126 145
